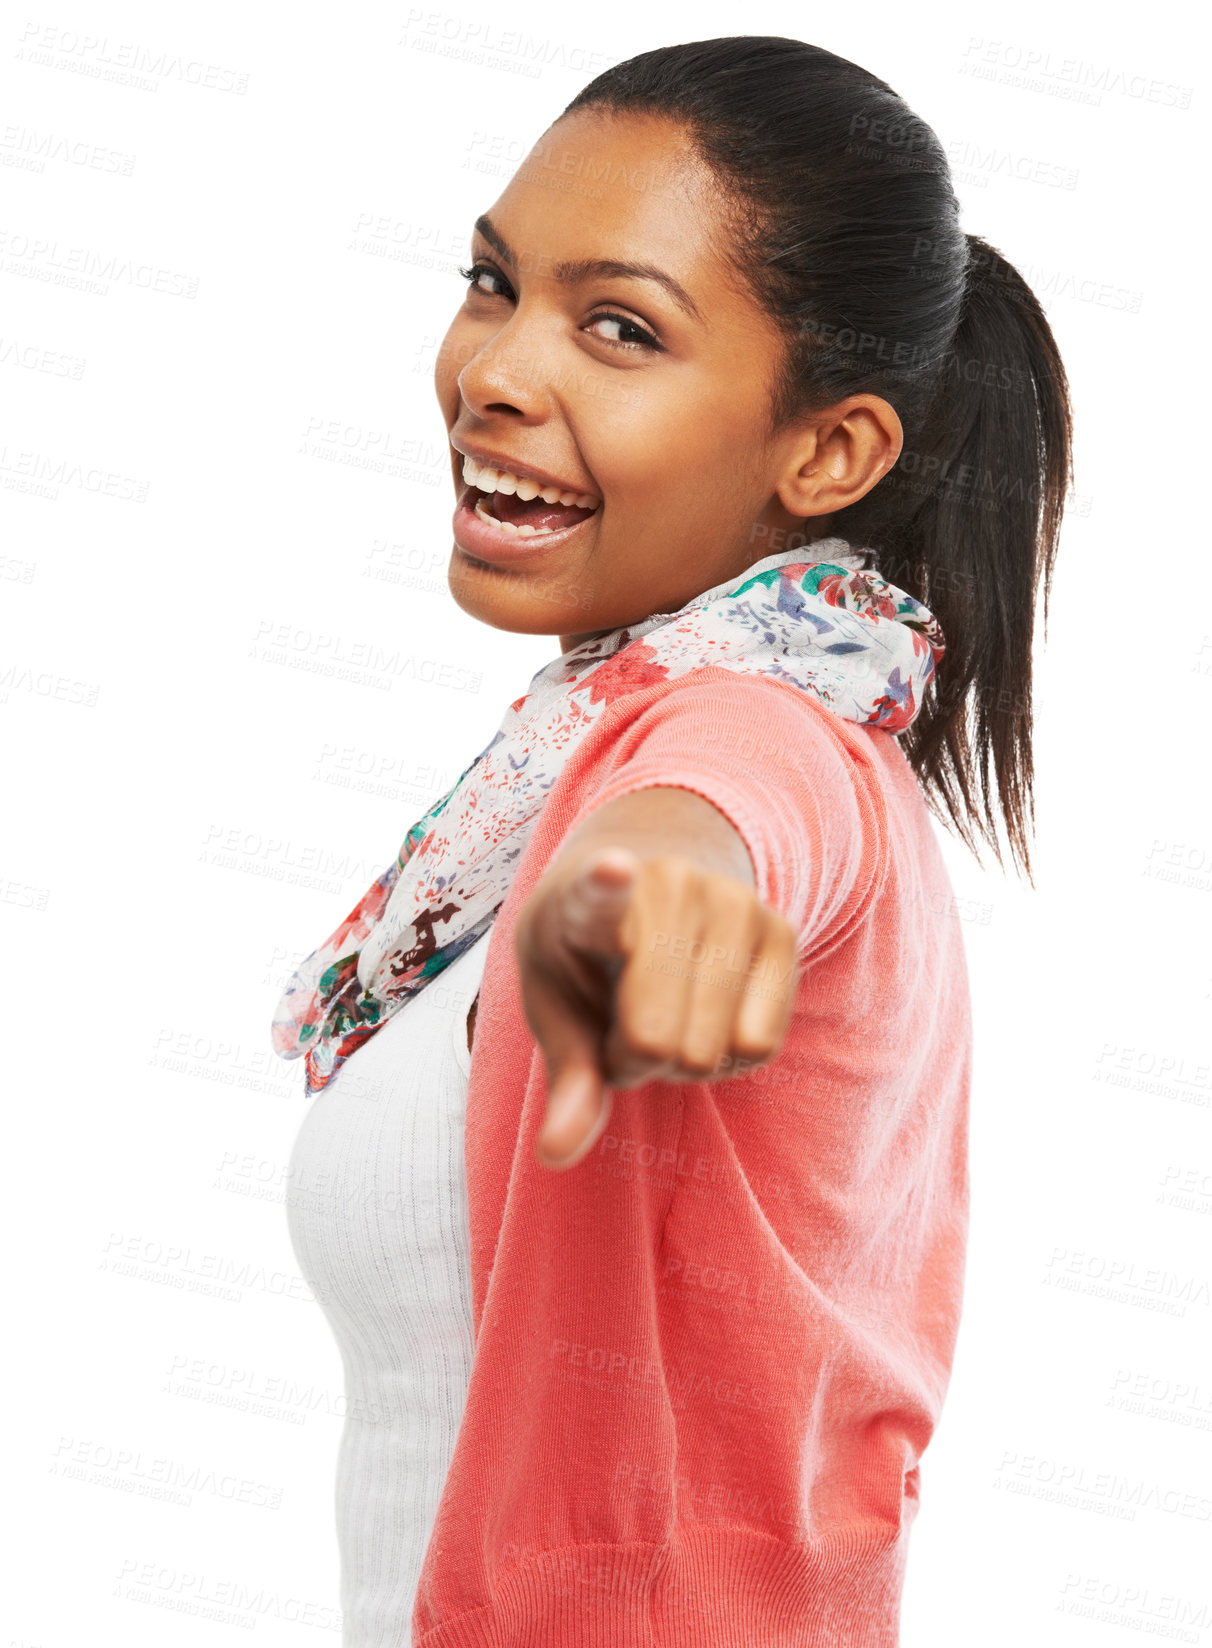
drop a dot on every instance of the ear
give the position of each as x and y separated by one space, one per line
839 454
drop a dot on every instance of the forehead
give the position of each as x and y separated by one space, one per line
631 187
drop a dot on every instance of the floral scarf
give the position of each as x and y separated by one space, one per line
811 616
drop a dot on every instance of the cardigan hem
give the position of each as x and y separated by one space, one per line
710 1586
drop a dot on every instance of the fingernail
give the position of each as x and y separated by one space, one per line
617 859
561 1105
592 887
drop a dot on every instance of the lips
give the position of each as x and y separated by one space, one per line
483 537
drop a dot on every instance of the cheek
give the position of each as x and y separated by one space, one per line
660 481
675 446
635 455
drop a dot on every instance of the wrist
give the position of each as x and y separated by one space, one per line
660 821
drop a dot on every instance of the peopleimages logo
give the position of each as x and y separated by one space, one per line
128 1470
1036 69
125 61
81 266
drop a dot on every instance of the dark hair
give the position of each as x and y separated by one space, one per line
847 231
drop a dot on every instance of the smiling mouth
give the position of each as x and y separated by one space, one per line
516 504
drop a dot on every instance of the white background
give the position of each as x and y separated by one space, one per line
192 812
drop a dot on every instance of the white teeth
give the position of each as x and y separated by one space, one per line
500 480
526 531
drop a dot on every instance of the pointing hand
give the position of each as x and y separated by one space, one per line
636 969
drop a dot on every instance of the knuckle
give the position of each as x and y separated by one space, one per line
731 897
674 872
701 1061
647 1043
753 1049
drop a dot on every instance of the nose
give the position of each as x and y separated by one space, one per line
506 375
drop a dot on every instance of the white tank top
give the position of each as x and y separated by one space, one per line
377 1209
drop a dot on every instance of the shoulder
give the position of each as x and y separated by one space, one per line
741 711
763 730
799 783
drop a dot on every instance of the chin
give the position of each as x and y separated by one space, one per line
503 600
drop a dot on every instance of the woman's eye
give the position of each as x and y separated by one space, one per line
640 337
631 335
477 271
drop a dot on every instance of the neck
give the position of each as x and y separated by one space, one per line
808 550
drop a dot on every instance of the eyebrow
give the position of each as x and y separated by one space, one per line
570 271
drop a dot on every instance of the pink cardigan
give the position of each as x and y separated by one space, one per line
708 1358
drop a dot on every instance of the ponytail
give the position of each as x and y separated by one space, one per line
848 234
969 522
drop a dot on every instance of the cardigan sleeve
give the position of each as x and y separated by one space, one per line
793 779
682 1423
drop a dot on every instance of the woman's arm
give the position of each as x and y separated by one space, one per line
663 820
631 1459
644 953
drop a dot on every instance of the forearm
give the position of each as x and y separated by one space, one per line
659 822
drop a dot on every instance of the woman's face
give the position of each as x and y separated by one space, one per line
647 397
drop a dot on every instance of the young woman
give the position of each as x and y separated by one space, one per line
648 1296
